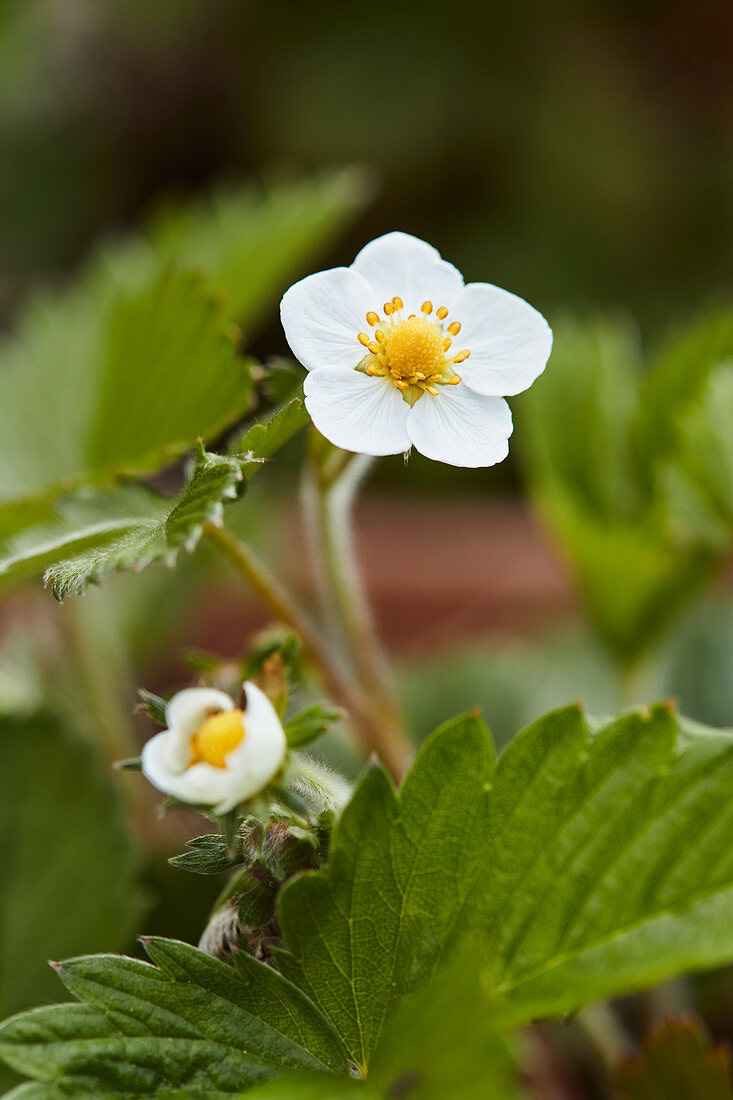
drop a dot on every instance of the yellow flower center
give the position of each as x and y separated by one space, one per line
217 737
413 347
412 352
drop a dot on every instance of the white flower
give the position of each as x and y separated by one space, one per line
388 369
212 753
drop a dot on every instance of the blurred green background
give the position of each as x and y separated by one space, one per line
578 153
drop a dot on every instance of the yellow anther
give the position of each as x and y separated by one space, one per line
397 302
447 343
372 318
218 736
401 384
373 347
388 308
434 378
419 376
427 307
432 390
364 339
412 317
379 335
462 356
454 327
454 380
375 372
441 312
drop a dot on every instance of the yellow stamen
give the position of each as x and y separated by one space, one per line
427 307
462 356
415 344
376 372
447 343
363 339
453 380
397 302
454 327
401 384
388 308
218 736
441 312
432 390
379 335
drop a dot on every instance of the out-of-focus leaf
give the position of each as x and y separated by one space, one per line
311 723
67 865
170 526
598 441
678 1062
700 477
111 378
440 1043
249 241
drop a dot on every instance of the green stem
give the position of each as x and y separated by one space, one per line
329 494
367 724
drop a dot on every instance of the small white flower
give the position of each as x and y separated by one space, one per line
212 753
402 353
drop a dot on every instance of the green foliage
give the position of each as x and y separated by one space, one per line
588 861
88 533
207 855
601 442
188 1022
263 440
115 377
67 864
401 872
678 1062
169 526
249 241
310 724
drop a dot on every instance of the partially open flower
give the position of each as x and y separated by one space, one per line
402 354
213 753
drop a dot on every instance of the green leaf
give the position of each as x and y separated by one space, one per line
702 467
115 377
311 723
591 863
597 441
208 855
606 869
249 241
439 1043
189 1022
678 1062
67 866
170 526
401 873
263 440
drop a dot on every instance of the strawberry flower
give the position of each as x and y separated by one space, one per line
401 353
214 754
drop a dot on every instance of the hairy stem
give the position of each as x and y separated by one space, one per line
367 722
328 496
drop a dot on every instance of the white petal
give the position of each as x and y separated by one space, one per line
323 315
509 340
201 784
398 264
185 714
261 754
357 412
460 427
